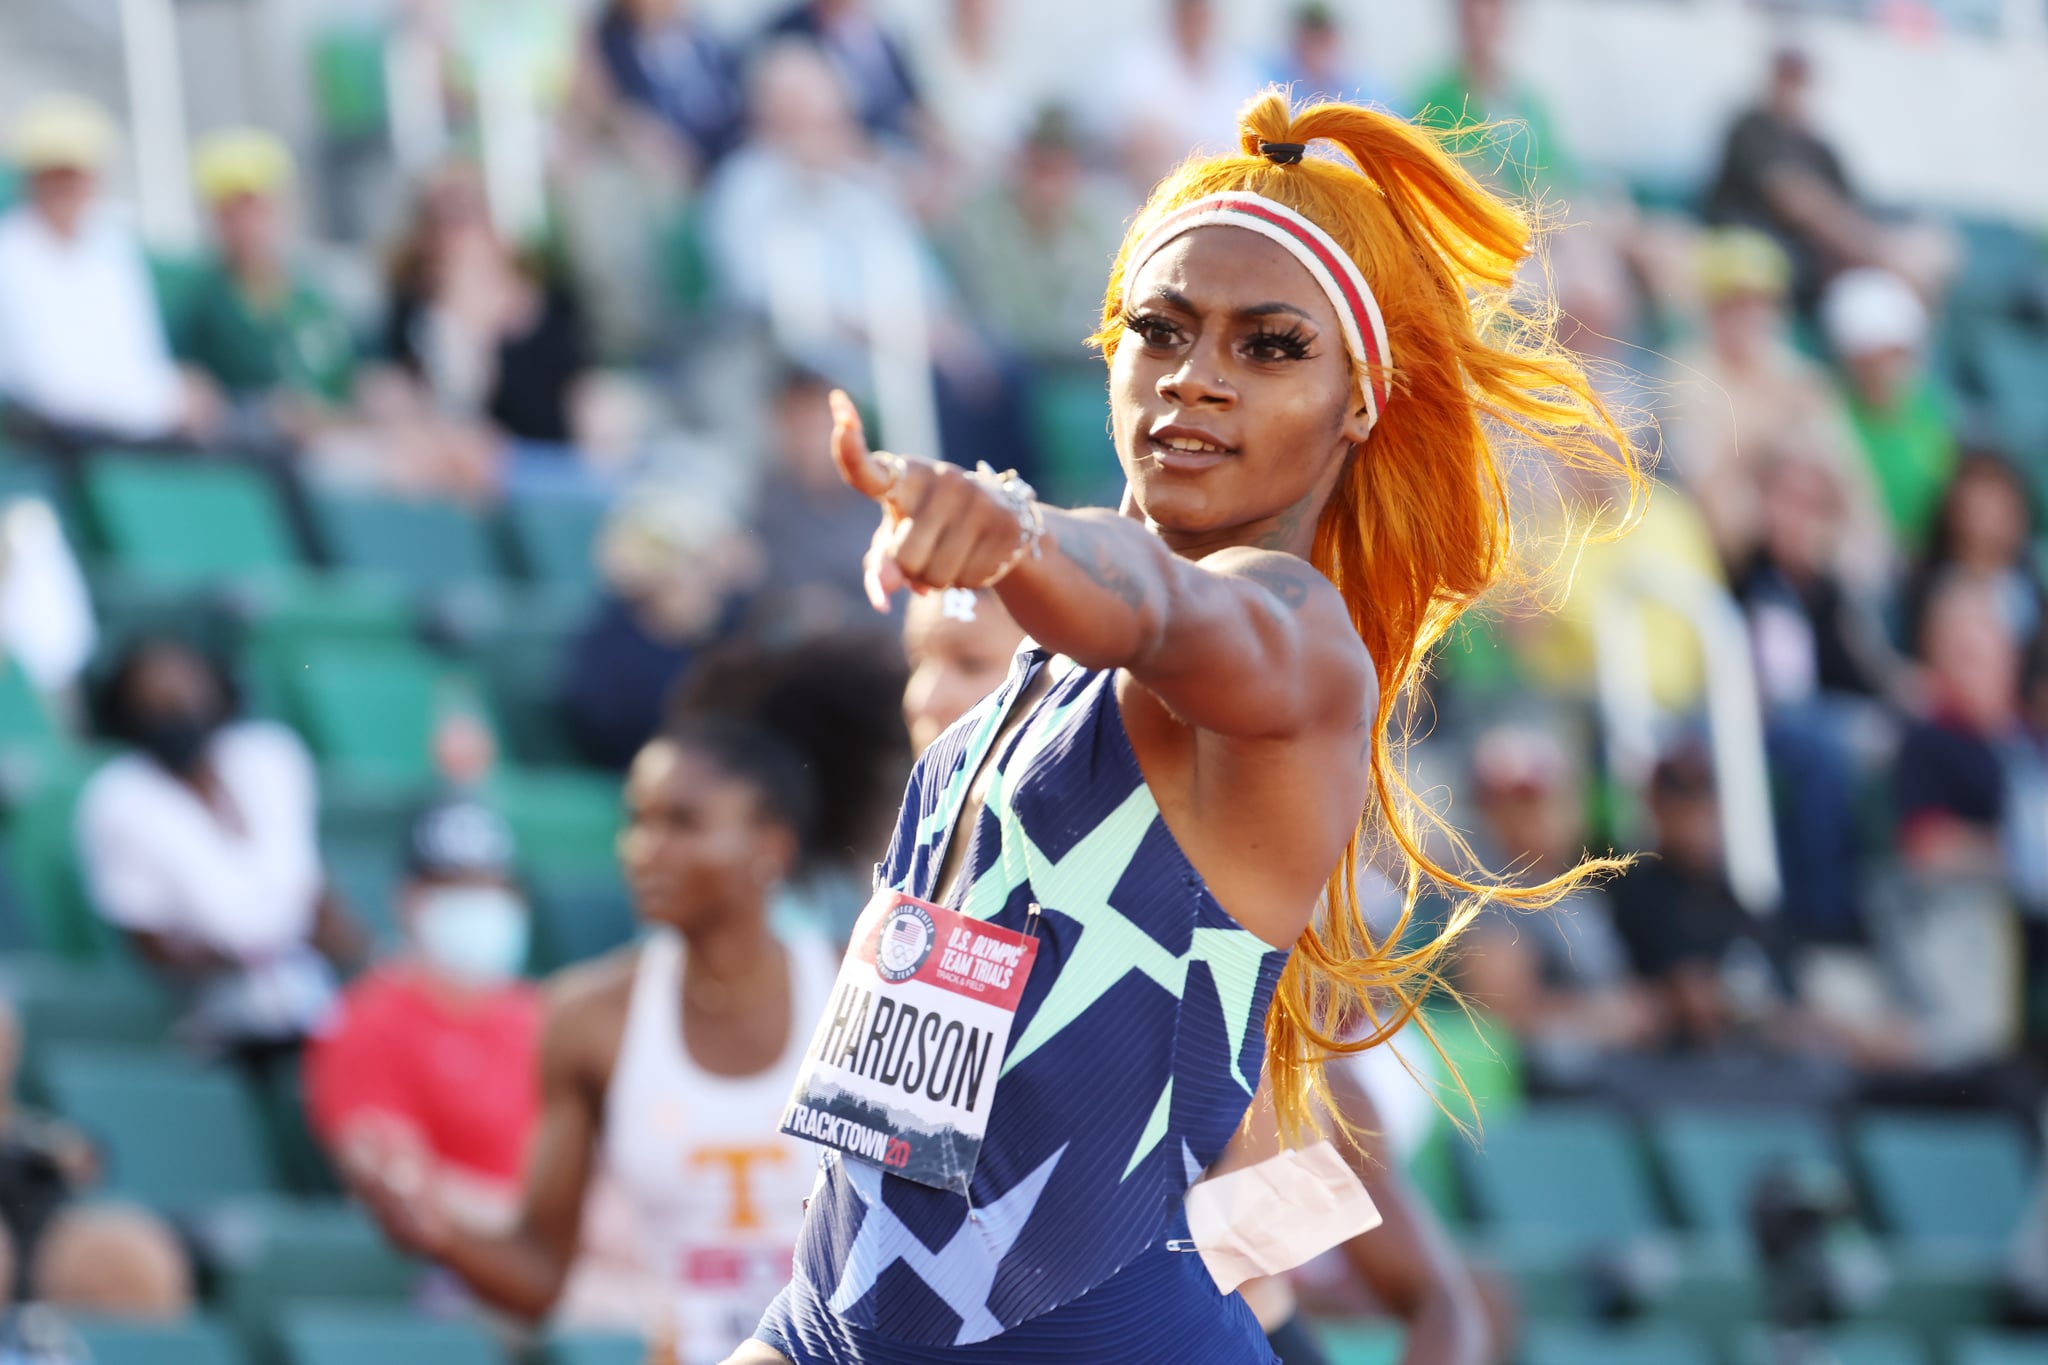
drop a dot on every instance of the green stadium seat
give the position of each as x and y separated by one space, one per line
426 544
195 1341
1069 417
1362 1343
60 1003
1712 1161
32 744
1997 262
188 524
520 664
1555 1344
345 1336
564 821
1846 1346
2011 361
43 854
1989 1348
578 916
1947 1185
1561 1179
595 1348
554 540
285 1254
369 708
175 1135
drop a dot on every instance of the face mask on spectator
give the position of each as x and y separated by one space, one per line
477 935
177 742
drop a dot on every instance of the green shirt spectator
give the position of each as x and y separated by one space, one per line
1876 326
1522 156
247 317
1912 451
293 340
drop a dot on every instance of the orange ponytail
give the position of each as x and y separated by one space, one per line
1419 526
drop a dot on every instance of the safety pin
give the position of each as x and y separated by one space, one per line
1181 1244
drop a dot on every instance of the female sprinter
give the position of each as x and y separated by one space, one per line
1306 360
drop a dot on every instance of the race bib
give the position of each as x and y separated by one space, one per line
902 1069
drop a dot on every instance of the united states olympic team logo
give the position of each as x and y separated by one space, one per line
907 938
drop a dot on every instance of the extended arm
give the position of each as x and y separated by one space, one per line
1246 643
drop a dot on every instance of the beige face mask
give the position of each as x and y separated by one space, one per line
1276 1214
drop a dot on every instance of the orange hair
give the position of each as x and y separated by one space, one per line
1419 526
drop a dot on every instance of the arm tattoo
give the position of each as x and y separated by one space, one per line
1095 556
1287 583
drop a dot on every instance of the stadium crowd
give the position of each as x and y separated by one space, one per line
342 912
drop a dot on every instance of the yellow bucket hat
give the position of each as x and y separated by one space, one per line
240 161
61 132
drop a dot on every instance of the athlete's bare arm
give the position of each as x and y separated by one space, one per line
521 1271
1249 657
1408 1261
1246 642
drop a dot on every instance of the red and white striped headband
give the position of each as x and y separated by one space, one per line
1358 312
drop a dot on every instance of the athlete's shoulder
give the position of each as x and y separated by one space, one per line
586 1006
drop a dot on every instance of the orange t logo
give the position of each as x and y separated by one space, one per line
739 1162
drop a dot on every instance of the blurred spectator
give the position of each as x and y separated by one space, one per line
1178 91
869 61
677 571
804 230
1877 328
1982 534
256 325
1524 155
1949 787
1779 175
1811 636
813 529
662 65
81 345
1558 978
1705 956
87 1257
1316 66
836 700
1958 935
954 661
488 336
1746 394
667 1064
437 1051
1824 666
1029 252
974 92
198 843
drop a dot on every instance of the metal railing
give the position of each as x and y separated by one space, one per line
1631 720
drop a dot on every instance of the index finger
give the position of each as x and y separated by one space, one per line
857 465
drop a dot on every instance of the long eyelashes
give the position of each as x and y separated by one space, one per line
1292 344
1264 344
